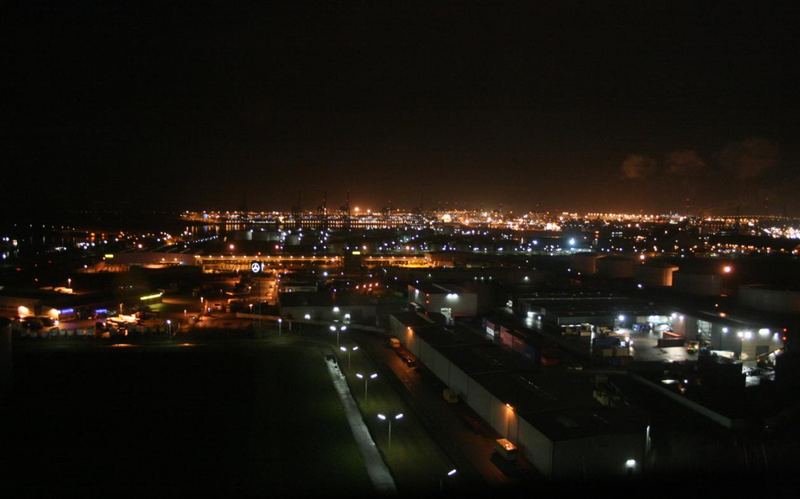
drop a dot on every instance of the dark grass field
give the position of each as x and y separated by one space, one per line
242 416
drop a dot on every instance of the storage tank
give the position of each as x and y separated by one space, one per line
585 263
655 275
697 284
616 267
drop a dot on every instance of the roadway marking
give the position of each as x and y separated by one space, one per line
377 470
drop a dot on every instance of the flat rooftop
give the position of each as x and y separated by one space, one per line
435 288
557 401
323 299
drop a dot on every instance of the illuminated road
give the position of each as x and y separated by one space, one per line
470 441
376 468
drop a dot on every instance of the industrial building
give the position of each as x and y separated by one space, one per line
450 301
321 306
550 414
56 305
652 326
774 300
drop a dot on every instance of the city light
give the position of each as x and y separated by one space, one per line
538 173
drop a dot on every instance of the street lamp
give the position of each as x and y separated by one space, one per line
509 415
69 282
350 350
338 330
383 417
449 474
169 325
366 381
280 325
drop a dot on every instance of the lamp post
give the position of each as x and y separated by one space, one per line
509 415
337 330
69 282
383 417
441 479
169 325
349 351
280 327
366 381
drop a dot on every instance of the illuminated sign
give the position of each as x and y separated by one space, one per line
257 267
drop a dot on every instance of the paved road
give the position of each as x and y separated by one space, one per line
376 468
471 447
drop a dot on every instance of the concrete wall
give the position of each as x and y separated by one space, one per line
538 448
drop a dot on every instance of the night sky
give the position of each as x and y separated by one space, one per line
572 106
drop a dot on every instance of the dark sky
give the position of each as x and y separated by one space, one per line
532 105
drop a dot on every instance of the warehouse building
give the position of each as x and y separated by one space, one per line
550 414
450 301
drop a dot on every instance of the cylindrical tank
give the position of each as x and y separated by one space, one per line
655 275
585 263
697 284
616 267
